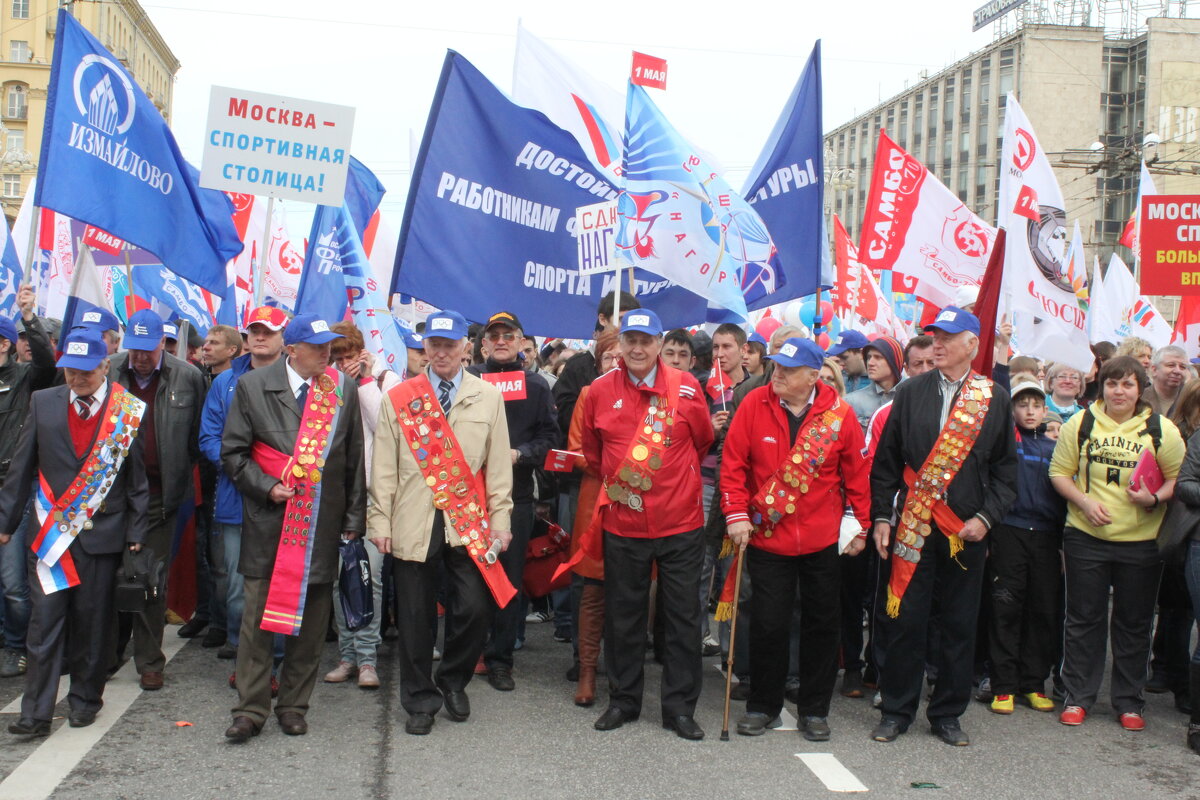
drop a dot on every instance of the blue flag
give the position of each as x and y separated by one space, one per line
363 194
182 299
109 159
787 189
10 273
489 222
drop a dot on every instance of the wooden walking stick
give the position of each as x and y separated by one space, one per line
737 596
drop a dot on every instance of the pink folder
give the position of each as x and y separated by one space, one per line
1147 472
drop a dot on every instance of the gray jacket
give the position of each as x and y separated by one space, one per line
177 406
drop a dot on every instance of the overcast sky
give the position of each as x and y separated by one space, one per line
731 64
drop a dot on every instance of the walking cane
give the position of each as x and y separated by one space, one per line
737 596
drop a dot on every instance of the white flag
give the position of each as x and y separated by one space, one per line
1037 278
1127 312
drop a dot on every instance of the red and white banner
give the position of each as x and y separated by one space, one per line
648 71
856 294
1169 239
281 280
511 384
1131 234
102 240
918 228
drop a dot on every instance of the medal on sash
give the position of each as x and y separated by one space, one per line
644 456
925 504
457 491
284 611
63 518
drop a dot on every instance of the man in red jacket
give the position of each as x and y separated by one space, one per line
646 426
792 462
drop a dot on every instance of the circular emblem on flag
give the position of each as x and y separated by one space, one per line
1025 149
104 94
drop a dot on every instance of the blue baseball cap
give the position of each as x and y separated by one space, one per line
799 352
8 329
84 348
756 338
642 320
445 324
413 340
953 319
171 330
99 318
848 340
309 329
144 331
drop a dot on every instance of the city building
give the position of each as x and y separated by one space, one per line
1099 98
27 30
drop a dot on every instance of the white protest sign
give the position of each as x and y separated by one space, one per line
276 146
595 234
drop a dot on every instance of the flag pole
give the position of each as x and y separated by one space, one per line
181 342
129 298
34 225
262 251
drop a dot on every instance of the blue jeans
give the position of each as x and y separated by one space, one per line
235 584
15 579
1191 568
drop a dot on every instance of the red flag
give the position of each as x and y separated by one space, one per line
986 307
1187 326
648 71
718 382
102 240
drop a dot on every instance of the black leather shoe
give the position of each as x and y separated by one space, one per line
192 628
685 728
950 733
81 719
242 729
815 729
613 718
573 672
215 637
419 724
740 691
501 679
888 729
293 723
30 727
755 723
458 707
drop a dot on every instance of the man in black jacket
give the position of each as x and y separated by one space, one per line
529 408
935 419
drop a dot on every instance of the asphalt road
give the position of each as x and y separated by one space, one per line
534 743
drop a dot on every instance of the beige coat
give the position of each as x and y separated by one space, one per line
401 507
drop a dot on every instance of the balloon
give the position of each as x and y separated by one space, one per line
793 314
823 341
767 326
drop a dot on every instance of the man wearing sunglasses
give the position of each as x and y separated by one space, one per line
532 431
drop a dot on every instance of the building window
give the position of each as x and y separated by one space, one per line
12 184
15 107
19 51
20 9
15 139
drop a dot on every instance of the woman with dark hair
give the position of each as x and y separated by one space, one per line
1109 540
1186 541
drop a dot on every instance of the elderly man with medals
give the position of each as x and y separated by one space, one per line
293 445
946 466
792 462
645 427
441 503
79 455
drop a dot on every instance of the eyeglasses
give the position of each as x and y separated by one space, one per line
496 336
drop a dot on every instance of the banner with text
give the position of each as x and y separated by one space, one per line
1169 238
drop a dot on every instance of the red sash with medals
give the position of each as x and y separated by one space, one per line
457 491
776 499
301 471
927 487
634 474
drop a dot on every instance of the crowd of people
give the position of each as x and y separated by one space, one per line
877 509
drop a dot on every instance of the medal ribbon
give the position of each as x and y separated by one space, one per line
288 591
63 518
457 491
927 487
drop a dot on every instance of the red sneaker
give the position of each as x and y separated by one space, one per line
1074 715
1133 721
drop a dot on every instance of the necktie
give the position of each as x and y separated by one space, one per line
301 396
444 397
83 404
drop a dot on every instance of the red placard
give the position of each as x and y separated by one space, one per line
102 240
510 384
1170 244
648 71
561 460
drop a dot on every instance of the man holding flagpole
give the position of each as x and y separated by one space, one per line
293 445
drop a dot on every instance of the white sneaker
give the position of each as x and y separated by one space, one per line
437 654
877 700
341 673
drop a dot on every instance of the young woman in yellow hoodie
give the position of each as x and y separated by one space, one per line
1109 540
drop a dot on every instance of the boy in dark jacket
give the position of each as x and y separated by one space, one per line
1024 566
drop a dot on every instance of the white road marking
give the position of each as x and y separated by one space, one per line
831 772
39 775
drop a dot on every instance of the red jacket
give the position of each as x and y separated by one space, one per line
613 411
755 447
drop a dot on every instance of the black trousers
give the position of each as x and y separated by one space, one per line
1171 651
956 586
1131 570
856 593
627 568
1024 579
468 617
75 620
507 620
775 579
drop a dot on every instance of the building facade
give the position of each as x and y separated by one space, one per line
1099 102
27 29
